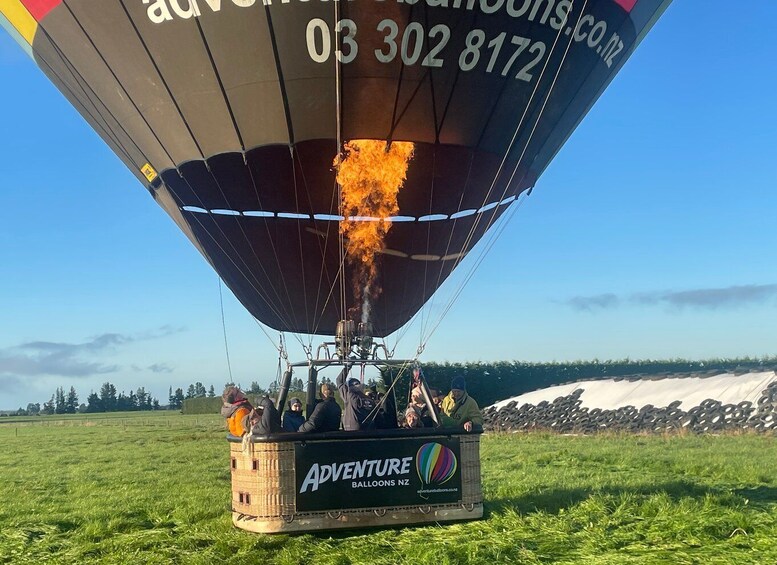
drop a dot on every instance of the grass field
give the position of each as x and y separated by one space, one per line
155 488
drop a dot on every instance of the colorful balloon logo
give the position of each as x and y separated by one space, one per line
435 463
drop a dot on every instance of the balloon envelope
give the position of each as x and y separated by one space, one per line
232 111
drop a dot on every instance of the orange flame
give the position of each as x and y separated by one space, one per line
370 174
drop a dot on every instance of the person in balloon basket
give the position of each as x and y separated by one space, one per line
325 417
357 406
237 410
293 418
437 398
412 419
418 403
459 410
265 419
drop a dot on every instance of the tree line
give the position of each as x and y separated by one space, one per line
109 399
486 382
491 382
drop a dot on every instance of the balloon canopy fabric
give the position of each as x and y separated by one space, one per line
231 113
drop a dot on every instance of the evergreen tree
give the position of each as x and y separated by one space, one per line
211 392
93 403
59 403
33 409
297 385
191 392
144 399
122 403
256 389
71 402
108 397
199 390
176 400
49 407
170 397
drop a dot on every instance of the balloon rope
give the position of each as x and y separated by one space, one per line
374 412
317 313
82 82
289 314
338 127
96 119
145 121
518 128
495 213
428 241
242 145
255 282
270 240
224 327
489 244
450 240
158 71
301 251
289 319
224 94
512 212
475 224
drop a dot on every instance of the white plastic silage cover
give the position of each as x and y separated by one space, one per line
691 391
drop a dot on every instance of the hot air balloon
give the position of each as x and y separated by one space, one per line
239 115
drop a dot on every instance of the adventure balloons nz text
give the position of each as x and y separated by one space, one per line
505 54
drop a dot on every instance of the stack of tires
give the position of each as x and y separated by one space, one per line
567 415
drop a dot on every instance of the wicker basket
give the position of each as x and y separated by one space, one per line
264 489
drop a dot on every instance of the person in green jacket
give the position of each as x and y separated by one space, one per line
459 409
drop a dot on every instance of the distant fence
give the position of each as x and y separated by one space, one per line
131 420
201 406
213 405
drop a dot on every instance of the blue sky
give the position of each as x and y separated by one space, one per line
651 235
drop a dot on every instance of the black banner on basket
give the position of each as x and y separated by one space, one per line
333 475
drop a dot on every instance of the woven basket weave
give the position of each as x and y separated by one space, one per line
263 494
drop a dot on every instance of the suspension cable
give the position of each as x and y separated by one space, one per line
338 134
374 412
495 214
224 328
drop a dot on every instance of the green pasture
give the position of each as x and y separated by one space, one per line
155 488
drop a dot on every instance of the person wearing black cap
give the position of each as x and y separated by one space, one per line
459 409
356 404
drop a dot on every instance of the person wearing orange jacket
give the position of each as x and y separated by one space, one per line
237 410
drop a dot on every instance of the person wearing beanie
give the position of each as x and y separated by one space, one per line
412 418
293 418
357 406
459 410
326 415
